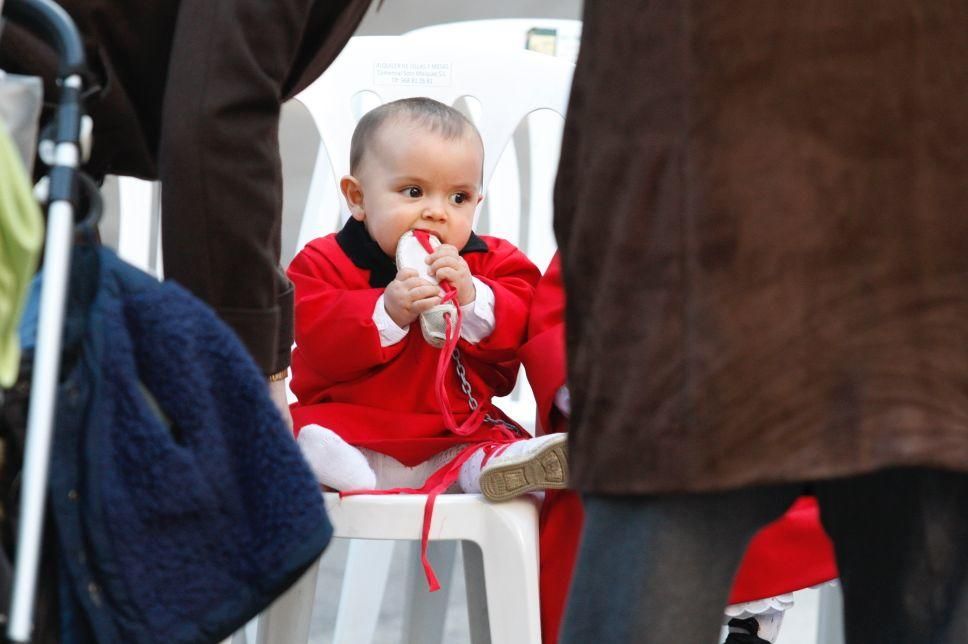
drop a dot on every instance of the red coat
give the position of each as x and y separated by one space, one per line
791 553
562 516
382 398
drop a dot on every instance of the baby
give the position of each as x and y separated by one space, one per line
378 406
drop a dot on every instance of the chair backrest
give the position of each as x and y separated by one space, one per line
556 36
496 87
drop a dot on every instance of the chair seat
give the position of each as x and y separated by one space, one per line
461 517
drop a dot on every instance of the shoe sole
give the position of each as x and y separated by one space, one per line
546 470
433 336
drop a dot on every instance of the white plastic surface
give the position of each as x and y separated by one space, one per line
507 84
287 619
830 627
365 577
139 232
505 572
424 612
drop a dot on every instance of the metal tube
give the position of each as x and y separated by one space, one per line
40 417
48 20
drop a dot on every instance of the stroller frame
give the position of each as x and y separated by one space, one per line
52 23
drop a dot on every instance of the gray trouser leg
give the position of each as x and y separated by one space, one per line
657 570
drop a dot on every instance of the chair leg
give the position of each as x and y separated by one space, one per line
477 615
246 634
510 553
830 627
425 613
364 583
287 620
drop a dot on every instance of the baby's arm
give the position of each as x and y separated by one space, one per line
334 328
408 295
476 299
478 315
511 278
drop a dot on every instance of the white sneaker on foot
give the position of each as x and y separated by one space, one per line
411 254
527 465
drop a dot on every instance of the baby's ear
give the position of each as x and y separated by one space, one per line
352 191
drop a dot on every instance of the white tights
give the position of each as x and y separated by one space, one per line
339 465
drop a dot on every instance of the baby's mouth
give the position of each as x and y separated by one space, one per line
429 232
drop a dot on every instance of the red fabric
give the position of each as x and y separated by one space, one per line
383 398
451 335
559 533
543 356
791 553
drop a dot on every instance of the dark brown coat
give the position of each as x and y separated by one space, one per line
762 208
190 94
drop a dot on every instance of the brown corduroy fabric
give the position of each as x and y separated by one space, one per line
191 94
761 210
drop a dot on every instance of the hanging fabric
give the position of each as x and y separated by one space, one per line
21 99
21 237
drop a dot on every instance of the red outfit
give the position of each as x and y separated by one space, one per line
791 553
382 398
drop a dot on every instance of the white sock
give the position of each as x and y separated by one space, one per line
391 473
470 473
770 625
335 462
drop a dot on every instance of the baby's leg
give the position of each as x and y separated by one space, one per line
391 473
336 463
470 473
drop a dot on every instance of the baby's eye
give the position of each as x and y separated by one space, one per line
459 198
413 192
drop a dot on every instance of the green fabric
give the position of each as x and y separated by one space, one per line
21 235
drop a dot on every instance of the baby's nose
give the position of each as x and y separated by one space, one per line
434 210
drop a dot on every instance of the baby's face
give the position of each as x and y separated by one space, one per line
415 179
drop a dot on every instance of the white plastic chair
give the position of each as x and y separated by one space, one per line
830 623
497 89
501 571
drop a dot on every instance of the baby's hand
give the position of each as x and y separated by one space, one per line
408 295
446 264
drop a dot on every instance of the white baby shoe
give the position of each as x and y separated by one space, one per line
527 465
411 254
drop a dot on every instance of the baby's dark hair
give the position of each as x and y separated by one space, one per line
434 115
